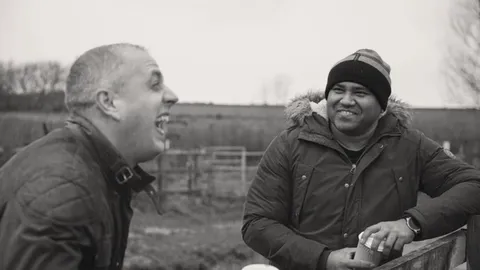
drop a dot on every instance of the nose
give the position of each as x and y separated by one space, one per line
347 99
169 97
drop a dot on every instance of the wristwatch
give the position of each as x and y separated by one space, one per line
412 225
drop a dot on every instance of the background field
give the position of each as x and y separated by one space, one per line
202 230
200 125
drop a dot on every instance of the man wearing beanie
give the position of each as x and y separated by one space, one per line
349 162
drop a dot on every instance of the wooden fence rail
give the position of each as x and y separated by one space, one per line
212 163
458 250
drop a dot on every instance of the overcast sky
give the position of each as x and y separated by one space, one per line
224 51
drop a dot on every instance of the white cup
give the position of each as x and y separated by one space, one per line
365 252
259 266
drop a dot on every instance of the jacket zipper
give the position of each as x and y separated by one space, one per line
342 153
354 166
119 230
353 169
123 205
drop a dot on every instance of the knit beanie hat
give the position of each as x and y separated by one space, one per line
364 67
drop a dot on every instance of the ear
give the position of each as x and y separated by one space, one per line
108 103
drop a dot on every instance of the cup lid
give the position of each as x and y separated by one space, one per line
369 242
259 266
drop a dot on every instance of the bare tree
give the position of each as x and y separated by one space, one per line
276 91
282 84
50 75
41 77
6 86
463 62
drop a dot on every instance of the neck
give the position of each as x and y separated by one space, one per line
111 135
353 142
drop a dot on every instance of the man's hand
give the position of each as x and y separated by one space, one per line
342 259
395 233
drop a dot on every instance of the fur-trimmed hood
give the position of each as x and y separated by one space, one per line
314 101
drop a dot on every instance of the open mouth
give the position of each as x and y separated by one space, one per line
161 123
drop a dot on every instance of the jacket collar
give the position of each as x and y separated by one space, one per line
317 124
306 105
115 168
308 112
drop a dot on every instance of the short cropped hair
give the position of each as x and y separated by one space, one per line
94 70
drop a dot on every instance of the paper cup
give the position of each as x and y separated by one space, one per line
259 267
365 253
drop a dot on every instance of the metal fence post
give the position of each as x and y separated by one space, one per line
243 170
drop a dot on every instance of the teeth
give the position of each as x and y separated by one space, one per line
346 113
162 119
161 122
165 118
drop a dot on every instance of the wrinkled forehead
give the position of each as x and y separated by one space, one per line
141 63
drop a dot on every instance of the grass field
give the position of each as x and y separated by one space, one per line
198 125
195 236
199 233
191 236
185 132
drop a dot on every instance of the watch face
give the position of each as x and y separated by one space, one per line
412 225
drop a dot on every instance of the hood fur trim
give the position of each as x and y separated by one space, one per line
314 101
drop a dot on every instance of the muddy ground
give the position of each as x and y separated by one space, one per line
195 234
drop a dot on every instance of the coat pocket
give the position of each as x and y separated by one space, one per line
302 178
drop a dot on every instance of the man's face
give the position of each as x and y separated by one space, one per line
145 106
352 108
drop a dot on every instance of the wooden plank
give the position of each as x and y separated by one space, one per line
458 254
193 191
243 172
176 152
226 162
228 153
442 254
167 171
226 168
255 154
224 148
473 243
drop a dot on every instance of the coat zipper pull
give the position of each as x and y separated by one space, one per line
354 167
152 193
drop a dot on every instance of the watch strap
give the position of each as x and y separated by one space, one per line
412 226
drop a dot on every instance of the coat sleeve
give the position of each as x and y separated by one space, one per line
51 231
453 185
266 214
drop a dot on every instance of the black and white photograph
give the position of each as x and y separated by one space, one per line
239 135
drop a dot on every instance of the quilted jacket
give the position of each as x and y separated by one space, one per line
308 199
65 202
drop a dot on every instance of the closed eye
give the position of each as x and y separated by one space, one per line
338 90
156 80
157 86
